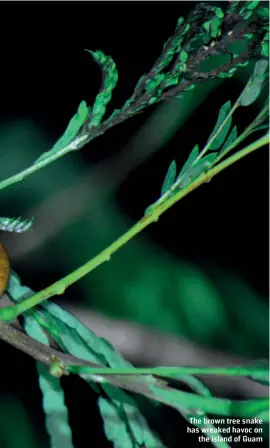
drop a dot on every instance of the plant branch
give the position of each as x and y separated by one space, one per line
233 27
148 386
10 313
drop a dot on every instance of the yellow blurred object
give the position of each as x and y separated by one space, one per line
4 268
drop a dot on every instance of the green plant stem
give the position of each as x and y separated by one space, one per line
10 313
74 145
168 371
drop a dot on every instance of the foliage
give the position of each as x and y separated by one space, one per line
206 33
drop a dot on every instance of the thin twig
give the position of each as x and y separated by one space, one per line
10 313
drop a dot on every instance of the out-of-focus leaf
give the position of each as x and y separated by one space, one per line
125 427
193 382
15 224
26 434
55 409
258 376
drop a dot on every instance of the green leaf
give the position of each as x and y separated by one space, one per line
261 127
169 178
191 381
208 159
195 384
70 133
55 409
230 139
124 425
260 377
221 128
96 345
218 406
110 78
16 290
254 88
190 160
15 224
69 339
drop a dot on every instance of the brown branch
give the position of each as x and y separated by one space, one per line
138 384
182 353
233 30
48 355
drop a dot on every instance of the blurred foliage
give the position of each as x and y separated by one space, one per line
25 431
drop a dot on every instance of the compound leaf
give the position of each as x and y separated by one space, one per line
123 422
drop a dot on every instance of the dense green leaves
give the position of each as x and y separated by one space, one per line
123 425
123 422
16 225
70 133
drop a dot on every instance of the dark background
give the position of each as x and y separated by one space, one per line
222 228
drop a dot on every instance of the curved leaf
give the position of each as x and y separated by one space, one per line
110 78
